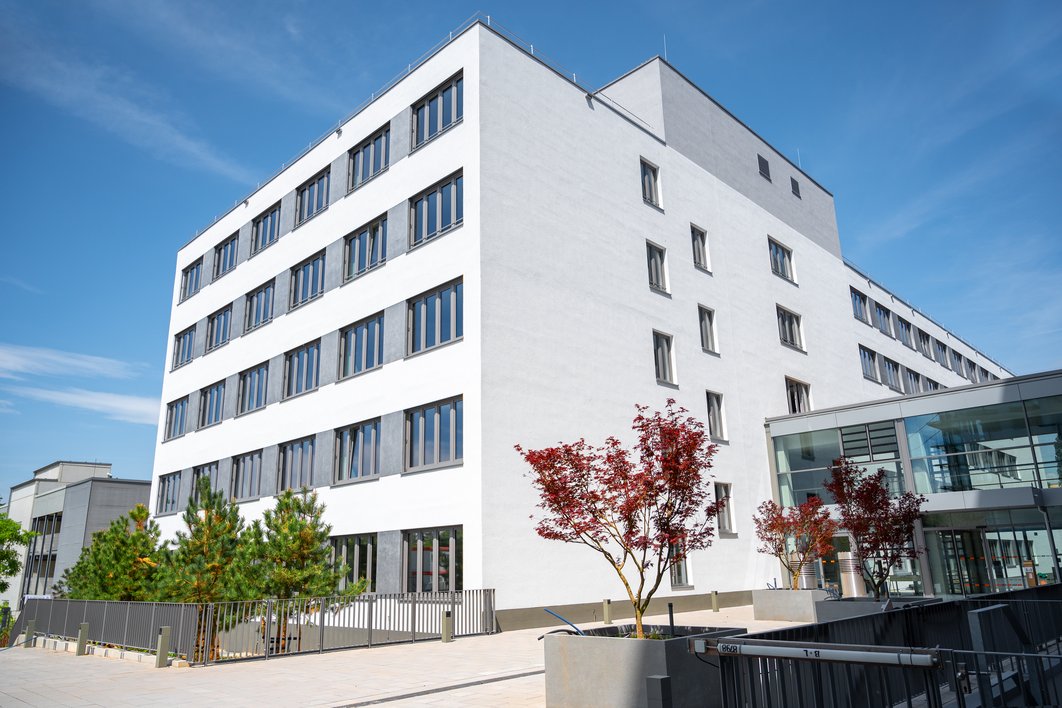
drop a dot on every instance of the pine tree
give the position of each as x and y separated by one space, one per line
12 535
121 563
204 565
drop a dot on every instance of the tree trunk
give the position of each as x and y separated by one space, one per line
638 631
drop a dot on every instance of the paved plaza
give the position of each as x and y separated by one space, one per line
501 669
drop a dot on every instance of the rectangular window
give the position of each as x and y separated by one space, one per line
654 256
225 255
183 346
795 186
169 489
307 280
176 414
366 248
436 211
434 435
361 346
247 475
956 362
218 326
265 230
932 385
869 361
971 371
891 371
369 159
789 328
432 560
765 167
438 110
726 514
925 344
716 426
211 404
941 352
679 576
903 331
190 279
357 451
435 318
798 395
358 554
781 259
302 368
650 184
210 472
707 322
700 248
312 197
883 319
295 465
253 388
859 306
259 307
912 381
984 375
662 355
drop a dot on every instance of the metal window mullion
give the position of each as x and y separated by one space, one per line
453 430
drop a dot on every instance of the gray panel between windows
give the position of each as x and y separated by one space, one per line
199 345
287 214
270 456
401 130
185 489
323 457
282 293
191 416
397 229
224 475
388 561
328 370
338 184
275 384
208 266
237 320
394 332
334 253
232 396
392 443
244 247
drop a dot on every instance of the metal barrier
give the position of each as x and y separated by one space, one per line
260 629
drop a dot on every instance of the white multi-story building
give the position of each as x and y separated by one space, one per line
489 254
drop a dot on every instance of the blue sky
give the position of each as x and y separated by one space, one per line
127 125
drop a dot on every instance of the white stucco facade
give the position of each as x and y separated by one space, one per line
558 313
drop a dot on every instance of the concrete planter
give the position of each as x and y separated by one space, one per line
788 605
612 670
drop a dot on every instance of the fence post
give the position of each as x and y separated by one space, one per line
82 639
453 611
162 649
268 626
66 617
321 618
447 629
606 611
125 632
413 615
371 613
31 632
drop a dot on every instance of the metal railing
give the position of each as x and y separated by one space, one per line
260 629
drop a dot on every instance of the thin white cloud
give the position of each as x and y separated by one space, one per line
17 361
107 97
7 407
142 410
21 285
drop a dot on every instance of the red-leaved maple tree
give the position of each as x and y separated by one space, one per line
795 535
882 528
644 509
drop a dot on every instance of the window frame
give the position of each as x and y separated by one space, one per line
167 497
350 333
650 249
799 393
318 188
883 319
252 299
457 111
302 370
794 186
857 296
212 328
307 276
287 454
350 445
355 158
764 167
260 387
664 361
709 339
678 572
183 349
725 518
208 404
176 419
456 182
794 319
240 473
699 241
455 442
374 233
650 181
271 218
454 552
904 331
211 469
925 344
191 279
893 382
220 250
429 303
869 356
781 257
716 411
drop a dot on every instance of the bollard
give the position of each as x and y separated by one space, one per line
82 639
658 691
162 650
447 626
715 600
31 632
606 611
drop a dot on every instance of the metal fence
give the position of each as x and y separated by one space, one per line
260 629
